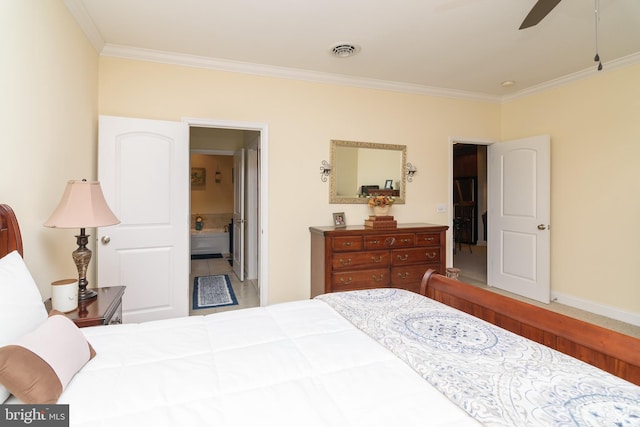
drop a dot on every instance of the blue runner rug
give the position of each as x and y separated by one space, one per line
205 256
213 291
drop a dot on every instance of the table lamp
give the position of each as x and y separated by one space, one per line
82 205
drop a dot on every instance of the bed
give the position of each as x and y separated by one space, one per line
374 357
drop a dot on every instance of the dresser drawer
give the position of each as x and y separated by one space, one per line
428 239
388 241
363 279
358 260
415 256
346 243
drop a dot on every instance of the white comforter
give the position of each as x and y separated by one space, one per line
293 364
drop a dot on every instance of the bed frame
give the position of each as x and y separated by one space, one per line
609 350
10 237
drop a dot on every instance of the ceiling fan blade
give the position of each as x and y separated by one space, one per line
538 12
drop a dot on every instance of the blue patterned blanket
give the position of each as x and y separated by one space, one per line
498 377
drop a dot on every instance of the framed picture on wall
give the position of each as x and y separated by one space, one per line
339 219
198 177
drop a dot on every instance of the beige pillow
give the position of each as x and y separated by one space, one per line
38 366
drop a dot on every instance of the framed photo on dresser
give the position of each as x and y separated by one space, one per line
339 219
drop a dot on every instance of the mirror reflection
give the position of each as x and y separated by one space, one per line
360 169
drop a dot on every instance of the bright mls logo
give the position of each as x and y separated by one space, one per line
34 415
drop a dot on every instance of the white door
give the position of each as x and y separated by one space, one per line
143 169
518 217
238 214
251 214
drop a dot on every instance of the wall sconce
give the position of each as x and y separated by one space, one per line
325 170
411 170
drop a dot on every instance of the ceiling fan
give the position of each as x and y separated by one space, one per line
542 8
538 12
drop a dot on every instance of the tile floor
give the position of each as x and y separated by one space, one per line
246 292
472 261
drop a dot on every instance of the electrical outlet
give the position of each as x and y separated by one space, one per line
441 208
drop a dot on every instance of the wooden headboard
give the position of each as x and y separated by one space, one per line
10 237
608 350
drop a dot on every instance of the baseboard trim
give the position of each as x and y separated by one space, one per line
600 309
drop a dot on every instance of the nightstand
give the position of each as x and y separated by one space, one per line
105 309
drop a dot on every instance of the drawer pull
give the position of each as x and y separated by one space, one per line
374 242
347 244
343 262
403 257
404 275
429 239
431 255
378 259
346 282
390 241
406 240
378 278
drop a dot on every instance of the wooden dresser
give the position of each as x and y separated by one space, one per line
355 257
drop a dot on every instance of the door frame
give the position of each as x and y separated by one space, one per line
450 238
263 190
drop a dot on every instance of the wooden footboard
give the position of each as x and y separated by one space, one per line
611 351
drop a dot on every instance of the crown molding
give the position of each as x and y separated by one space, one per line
79 13
632 59
128 52
135 53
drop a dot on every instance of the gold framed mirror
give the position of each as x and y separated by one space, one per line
363 168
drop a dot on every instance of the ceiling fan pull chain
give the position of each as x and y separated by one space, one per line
597 18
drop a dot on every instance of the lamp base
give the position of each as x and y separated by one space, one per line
86 294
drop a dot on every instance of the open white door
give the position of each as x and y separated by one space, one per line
143 169
518 217
238 214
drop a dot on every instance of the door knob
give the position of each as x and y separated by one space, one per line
541 227
105 240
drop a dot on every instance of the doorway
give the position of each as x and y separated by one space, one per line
256 141
469 210
214 211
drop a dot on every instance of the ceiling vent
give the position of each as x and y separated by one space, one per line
344 50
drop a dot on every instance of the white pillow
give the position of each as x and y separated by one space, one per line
21 307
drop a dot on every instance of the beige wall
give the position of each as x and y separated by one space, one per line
303 117
49 81
49 87
595 205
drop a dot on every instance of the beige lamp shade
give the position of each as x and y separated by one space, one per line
82 206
